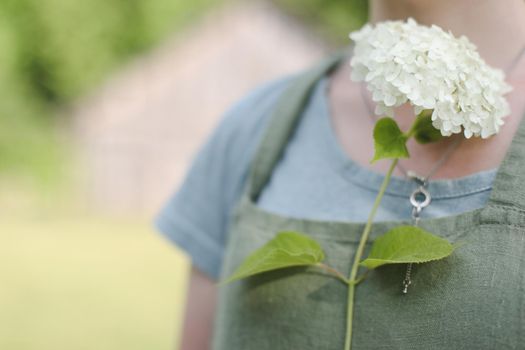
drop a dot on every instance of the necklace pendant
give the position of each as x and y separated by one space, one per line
420 198
407 281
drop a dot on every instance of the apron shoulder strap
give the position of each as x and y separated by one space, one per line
282 124
509 185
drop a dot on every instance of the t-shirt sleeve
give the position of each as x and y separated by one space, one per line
196 217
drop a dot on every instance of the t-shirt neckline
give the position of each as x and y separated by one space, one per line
399 186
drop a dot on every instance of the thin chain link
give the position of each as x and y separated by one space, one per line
455 144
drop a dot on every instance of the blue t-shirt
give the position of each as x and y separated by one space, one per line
314 179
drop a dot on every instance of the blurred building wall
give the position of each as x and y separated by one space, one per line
138 133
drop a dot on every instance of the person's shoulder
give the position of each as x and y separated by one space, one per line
241 127
196 217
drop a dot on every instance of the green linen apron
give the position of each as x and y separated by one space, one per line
474 299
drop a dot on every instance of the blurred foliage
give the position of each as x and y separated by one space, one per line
332 19
63 47
52 51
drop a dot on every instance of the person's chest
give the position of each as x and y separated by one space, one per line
316 179
471 300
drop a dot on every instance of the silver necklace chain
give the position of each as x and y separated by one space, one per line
420 197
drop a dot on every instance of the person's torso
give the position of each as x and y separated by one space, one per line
474 299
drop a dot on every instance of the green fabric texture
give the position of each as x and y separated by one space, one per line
474 299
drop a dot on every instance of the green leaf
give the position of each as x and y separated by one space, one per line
389 141
286 249
424 131
407 244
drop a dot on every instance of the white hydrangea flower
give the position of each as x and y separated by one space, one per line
431 69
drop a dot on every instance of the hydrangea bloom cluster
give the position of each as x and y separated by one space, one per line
431 69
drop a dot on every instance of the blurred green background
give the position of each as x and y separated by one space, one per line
71 279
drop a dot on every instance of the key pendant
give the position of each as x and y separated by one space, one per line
419 199
407 281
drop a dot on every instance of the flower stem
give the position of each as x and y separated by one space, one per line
359 254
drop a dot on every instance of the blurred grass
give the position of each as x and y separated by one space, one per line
85 283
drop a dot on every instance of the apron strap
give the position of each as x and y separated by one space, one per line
285 117
508 188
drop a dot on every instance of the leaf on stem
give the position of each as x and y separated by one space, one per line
407 244
286 249
389 140
424 131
